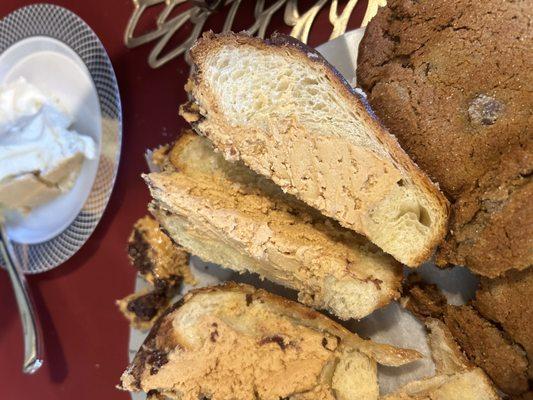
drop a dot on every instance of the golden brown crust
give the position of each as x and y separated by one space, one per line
455 377
382 353
280 43
423 299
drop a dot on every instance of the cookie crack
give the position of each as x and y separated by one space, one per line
488 205
499 326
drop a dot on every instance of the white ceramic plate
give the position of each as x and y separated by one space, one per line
57 70
59 53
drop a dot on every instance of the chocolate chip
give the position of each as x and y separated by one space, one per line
484 110
153 395
249 299
162 285
138 252
156 358
376 282
214 334
273 339
147 306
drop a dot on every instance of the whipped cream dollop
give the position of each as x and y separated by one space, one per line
40 156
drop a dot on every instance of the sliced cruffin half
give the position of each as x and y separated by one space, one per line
236 341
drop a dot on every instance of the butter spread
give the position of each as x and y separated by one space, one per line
40 157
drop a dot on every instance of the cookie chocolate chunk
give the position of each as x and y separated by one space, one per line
484 110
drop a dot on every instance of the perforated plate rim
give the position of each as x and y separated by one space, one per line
61 24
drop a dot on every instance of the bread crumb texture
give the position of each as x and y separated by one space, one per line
224 213
292 119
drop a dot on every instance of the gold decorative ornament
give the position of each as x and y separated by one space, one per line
168 24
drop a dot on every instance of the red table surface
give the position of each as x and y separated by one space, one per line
85 336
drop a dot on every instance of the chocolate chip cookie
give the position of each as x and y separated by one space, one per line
453 80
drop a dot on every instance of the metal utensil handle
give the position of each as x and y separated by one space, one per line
30 326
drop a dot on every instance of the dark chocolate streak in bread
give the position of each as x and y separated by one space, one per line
138 251
150 345
145 307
